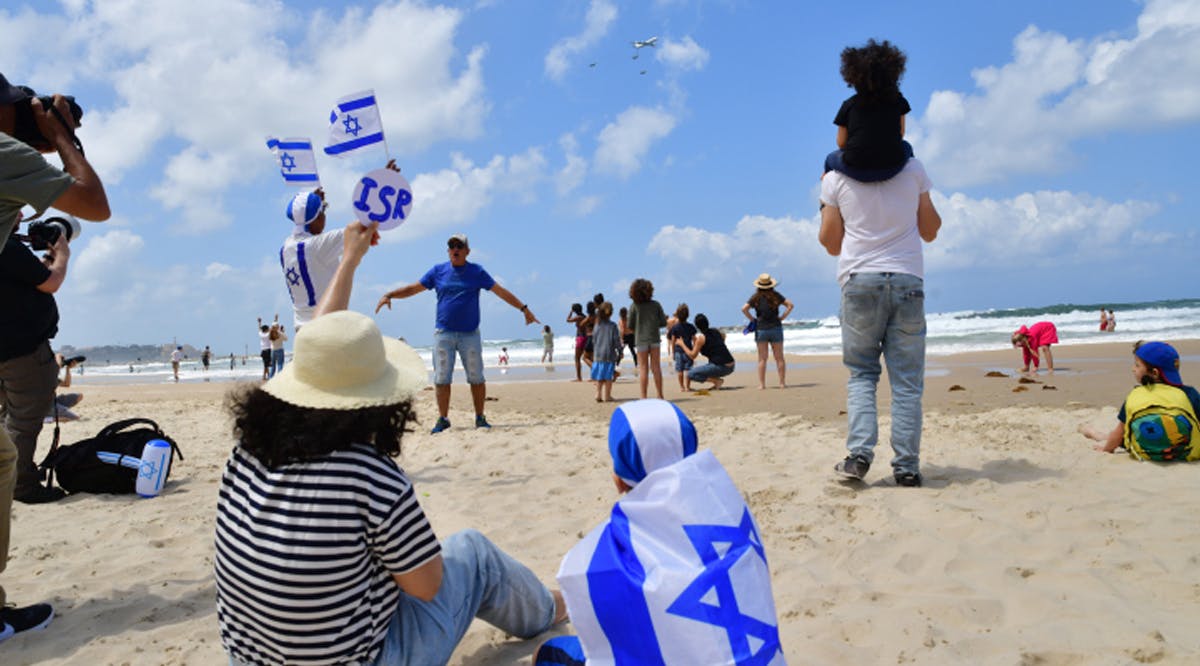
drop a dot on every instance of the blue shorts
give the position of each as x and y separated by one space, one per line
469 346
709 371
769 334
683 362
602 371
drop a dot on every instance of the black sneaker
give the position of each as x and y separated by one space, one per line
40 495
14 620
853 467
908 479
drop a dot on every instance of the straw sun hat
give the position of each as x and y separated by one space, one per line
765 281
342 361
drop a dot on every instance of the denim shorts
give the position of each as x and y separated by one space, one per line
468 346
769 334
710 371
683 362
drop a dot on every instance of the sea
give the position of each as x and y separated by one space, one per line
948 333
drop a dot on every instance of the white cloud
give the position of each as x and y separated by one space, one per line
623 144
1034 227
183 94
600 16
1023 115
696 259
685 54
574 171
102 265
455 196
1048 229
216 270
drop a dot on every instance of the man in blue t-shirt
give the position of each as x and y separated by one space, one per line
457 284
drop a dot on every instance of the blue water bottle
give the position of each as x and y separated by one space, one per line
156 461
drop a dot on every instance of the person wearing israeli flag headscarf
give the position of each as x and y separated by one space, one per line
678 573
309 255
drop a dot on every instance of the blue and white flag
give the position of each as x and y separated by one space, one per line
354 123
678 575
297 164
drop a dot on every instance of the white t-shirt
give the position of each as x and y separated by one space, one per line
308 263
264 339
880 221
176 356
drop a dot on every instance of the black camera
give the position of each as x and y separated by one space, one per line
44 233
25 127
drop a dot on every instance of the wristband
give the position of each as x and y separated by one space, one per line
524 307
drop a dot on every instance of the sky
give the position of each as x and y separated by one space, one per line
1058 136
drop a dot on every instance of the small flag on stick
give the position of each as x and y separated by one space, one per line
297 164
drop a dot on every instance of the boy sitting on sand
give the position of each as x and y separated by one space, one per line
1158 420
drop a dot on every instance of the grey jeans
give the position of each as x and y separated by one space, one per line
27 386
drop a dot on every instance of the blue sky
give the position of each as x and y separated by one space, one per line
1059 138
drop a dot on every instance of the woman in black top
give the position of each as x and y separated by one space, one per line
710 343
768 326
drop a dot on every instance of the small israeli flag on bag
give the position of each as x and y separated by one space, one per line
678 575
354 123
297 163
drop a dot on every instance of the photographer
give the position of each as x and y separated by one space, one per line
30 125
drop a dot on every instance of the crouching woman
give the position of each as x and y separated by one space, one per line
323 553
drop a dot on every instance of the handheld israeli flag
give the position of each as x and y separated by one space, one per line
297 164
354 123
678 575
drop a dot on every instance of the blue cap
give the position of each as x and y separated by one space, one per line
1162 356
646 435
304 208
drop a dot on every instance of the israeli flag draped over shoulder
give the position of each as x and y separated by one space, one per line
354 123
678 575
297 164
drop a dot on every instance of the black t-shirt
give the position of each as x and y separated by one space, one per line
766 315
28 317
683 331
714 348
874 140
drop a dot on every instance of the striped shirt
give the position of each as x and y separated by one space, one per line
305 555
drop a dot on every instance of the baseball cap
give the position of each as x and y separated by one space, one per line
304 208
10 93
462 238
1162 356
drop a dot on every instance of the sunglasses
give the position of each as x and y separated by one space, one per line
456 245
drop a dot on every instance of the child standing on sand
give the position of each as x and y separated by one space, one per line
646 318
682 331
1158 420
606 347
871 122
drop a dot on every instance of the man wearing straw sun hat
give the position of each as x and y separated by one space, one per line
323 553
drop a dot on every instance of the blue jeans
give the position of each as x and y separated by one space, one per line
835 161
478 580
709 371
276 361
884 313
469 346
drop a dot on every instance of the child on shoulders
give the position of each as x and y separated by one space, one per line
871 122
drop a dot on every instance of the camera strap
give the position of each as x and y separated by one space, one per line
70 130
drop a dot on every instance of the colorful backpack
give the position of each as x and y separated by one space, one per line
1160 424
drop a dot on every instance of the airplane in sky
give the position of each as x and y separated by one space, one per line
641 44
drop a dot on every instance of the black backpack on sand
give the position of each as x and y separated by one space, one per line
81 470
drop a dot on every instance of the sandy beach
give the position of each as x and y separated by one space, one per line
1024 547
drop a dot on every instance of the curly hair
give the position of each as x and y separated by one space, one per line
641 290
874 70
278 433
772 298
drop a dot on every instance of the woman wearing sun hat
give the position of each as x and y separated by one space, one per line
768 324
323 553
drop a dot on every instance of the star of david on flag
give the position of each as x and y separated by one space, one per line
354 123
678 575
297 163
